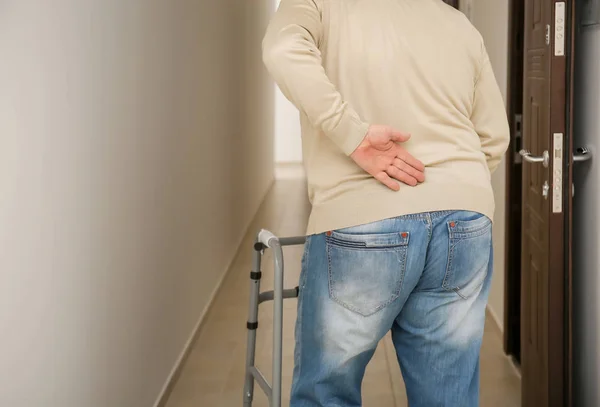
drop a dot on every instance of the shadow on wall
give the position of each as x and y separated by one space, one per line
586 222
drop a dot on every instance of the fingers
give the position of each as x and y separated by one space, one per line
401 176
410 160
385 179
412 171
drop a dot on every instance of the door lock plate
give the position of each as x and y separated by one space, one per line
557 173
559 28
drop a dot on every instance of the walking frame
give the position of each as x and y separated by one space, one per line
266 239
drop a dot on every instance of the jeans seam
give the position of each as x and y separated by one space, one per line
429 223
449 263
299 317
425 215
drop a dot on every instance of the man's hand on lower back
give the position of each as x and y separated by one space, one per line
380 155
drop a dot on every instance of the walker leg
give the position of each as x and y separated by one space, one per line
277 324
252 325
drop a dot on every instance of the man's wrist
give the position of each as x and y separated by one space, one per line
365 143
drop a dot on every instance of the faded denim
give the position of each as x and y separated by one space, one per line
425 277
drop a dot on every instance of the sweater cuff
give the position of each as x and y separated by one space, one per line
349 132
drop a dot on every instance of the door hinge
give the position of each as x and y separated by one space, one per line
547 34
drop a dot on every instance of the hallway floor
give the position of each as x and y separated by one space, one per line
213 374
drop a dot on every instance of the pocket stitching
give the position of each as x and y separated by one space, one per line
470 234
467 233
449 271
396 293
337 239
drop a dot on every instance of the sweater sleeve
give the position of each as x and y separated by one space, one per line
489 115
292 57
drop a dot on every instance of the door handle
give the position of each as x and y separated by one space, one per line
544 159
582 154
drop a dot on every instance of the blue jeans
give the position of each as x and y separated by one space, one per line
425 277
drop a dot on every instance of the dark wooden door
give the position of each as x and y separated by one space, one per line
546 195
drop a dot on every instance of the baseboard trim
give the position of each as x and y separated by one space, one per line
496 320
515 366
185 353
173 377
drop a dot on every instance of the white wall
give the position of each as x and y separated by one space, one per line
491 19
288 141
133 156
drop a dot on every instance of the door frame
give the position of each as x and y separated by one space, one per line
559 268
512 235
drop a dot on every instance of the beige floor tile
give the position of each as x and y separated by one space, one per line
214 372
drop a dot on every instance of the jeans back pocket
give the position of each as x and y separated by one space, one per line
470 243
366 270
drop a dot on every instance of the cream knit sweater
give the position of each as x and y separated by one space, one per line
416 65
